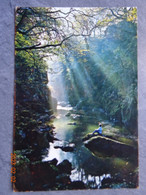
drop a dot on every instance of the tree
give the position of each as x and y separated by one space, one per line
55 26
101 42
105 73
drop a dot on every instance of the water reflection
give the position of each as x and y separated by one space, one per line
87 167
93 182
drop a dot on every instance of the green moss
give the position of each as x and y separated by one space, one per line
91 128
127 141
122 165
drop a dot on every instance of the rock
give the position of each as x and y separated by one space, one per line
108 147
65 167
96 166
51 137
68 114
72 123
65 149
107 183
68 149
23 177
75 116
65 146
36 155
77 185
117 181
44 118
63 179
54 161
42 140
55 139
44 128
44 173
88 136
48 111
37 175
52 117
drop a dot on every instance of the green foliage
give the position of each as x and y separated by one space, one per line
100 71
132 16
32 93
20 159
106 75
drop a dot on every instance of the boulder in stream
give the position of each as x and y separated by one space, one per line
65 146
72 123
77 185
65 167
107 147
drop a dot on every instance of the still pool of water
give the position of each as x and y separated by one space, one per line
87 167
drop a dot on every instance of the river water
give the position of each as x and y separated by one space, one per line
96 172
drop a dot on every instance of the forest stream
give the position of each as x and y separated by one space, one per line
93 170
75 68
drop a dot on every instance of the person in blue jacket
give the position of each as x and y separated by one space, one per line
99 130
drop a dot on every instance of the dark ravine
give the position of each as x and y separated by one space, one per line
57 175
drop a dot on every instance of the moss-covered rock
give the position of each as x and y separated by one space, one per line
107 147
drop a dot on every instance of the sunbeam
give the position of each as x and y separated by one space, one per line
75 118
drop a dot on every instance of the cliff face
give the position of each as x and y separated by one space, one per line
33 108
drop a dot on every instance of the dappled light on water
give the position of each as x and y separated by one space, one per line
87 167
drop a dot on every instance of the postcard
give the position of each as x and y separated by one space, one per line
76 116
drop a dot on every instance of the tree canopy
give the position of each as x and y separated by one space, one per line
97 48
51 27
91 56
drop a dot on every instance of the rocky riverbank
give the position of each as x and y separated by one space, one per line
50 175
108 147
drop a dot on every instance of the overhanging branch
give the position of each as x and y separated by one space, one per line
43 46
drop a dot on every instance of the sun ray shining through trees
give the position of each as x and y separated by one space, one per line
76 68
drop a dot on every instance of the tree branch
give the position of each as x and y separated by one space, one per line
43 46
116 15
